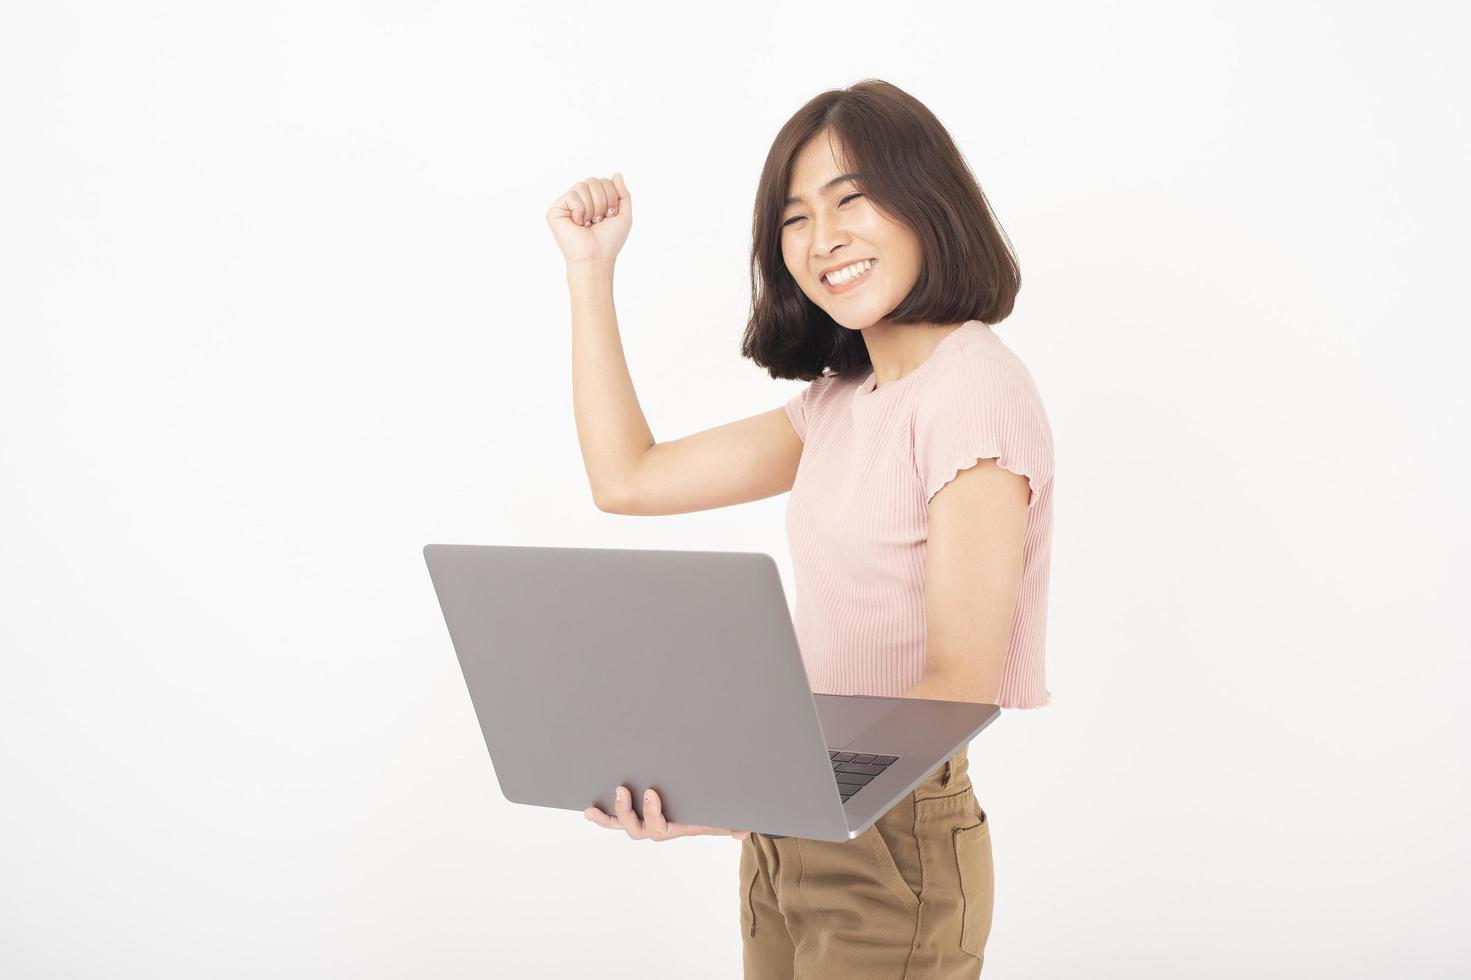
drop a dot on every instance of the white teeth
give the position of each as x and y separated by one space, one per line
849 272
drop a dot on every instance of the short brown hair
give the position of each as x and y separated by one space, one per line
913 172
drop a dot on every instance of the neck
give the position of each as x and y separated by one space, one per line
898 348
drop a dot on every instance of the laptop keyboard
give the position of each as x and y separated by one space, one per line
854 770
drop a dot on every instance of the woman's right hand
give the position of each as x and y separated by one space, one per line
653 826
591 220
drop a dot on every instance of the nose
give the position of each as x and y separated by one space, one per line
828 236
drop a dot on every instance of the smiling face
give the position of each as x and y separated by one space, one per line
832 225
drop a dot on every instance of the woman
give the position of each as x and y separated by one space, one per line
920 471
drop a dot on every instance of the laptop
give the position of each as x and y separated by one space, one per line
590 668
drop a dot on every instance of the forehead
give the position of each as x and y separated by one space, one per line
815 170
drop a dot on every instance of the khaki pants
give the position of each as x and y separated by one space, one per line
910 897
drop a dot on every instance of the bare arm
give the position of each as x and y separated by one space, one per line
739 461
629 472
611 427
973 567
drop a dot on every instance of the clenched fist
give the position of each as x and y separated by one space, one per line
590 222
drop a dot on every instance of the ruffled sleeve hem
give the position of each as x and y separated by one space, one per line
949 471
975 408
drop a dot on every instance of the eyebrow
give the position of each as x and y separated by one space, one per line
792 199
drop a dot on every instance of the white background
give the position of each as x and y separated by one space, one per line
280 307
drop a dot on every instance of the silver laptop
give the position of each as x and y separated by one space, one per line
591 668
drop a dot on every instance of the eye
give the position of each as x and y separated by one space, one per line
800 217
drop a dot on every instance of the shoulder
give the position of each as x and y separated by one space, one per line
821 389
830 382
978 403
810 404
979 375
822 382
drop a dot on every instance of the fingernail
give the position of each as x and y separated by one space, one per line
610 212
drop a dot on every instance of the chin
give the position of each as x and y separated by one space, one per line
859 320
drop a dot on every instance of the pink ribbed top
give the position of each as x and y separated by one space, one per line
858 515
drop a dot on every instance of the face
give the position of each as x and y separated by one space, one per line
831 227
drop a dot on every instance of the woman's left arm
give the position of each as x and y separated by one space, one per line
973 570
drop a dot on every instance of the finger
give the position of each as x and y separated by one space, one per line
585 197
576 208
625 200
624 808
599 198
597 816
610 196
654 822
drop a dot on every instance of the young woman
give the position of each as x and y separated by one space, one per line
919 460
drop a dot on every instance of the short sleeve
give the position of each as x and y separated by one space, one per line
797 412
803 406
973 408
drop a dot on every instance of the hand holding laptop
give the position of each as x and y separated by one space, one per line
703 644
653 826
